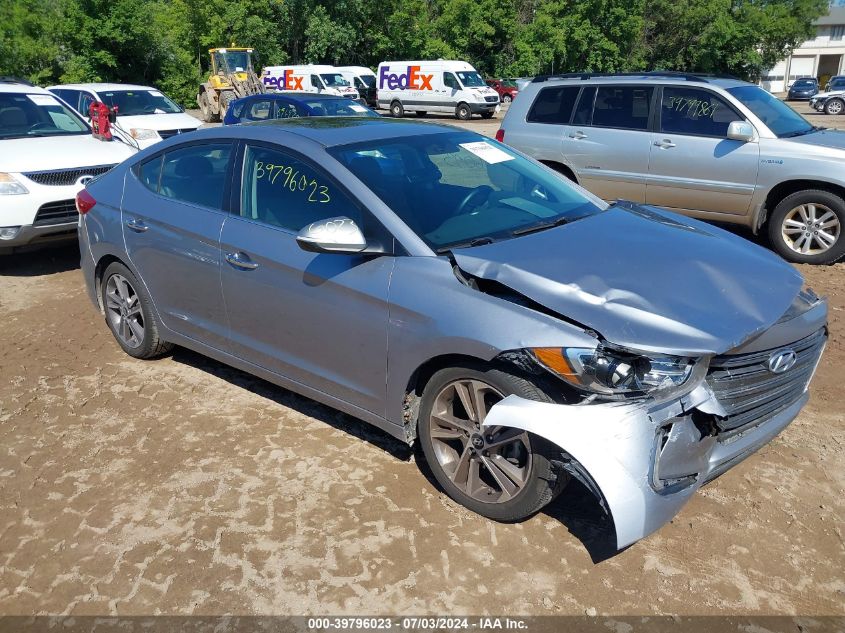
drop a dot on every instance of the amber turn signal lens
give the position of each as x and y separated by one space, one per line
553 358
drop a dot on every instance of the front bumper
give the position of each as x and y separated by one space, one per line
483 108
645 459
37 235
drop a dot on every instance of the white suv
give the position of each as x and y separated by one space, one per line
144 115
47 154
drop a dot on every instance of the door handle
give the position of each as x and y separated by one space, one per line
578 135
136 225
664 144
241 260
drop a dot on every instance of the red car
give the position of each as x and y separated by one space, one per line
505 87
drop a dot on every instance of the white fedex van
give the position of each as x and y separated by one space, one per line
363 80
308 78
435 86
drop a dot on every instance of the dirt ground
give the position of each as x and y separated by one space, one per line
181 486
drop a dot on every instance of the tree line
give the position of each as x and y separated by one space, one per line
164 42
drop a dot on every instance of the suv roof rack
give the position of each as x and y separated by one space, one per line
14 80
668 74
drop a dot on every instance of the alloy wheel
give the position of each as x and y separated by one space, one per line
491 465
123 310
810 229
834 107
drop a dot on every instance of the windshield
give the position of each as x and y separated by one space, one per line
782 120
804 83
338 107
455 188
334 80
369 80
132 102
471 79
232 61
37 115
837 83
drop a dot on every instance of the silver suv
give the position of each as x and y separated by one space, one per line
713 148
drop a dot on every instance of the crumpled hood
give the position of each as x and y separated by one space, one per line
645 279
60 152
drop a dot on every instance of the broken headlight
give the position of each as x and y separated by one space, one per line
613 372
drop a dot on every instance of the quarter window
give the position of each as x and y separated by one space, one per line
150 172
283 191
194 174
553 105
623 107
695 112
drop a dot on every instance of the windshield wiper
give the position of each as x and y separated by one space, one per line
802 132
478 241
542 227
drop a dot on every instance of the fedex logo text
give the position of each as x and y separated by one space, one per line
410 80
288 81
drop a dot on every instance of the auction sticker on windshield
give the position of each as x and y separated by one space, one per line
486 152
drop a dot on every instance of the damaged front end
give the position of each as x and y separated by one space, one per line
645 455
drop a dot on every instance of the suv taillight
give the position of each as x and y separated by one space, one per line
500 135
84 202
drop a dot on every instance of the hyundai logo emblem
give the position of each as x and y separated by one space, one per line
84 180
782 361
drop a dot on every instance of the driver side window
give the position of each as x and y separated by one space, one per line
281 190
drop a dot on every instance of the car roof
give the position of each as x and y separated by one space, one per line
102 87
645 78
11 85
298 96
333 131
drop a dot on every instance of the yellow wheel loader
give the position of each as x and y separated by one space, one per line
232 76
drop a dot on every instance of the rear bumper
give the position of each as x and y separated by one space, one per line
32 236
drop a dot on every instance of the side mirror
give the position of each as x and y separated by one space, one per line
741 131
334 235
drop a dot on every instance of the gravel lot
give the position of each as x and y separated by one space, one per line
181 486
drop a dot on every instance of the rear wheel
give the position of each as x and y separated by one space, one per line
506 98
806 227
463 112
129 314
502 473
487 115
834 106
397 110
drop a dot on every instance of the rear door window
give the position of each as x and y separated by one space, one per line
553 105
623 107
695 112
584 111
195 174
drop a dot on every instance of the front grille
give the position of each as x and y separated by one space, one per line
59 212
64 177
491 99
168 133
750 393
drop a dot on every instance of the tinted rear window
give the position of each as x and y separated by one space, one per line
553 105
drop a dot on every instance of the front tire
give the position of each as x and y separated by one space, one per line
397 110
502 473
507 98
834 106
463 112
806 227
129 314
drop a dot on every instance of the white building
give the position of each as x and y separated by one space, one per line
820 57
